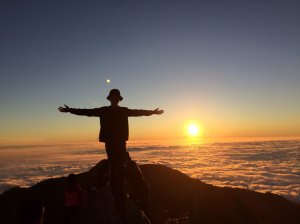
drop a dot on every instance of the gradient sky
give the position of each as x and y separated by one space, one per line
232 66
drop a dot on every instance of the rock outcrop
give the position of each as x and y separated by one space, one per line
174 198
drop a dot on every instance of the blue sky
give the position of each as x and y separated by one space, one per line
234 66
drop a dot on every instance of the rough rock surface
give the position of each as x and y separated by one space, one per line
174 198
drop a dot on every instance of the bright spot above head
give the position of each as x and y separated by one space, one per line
107 80
193 130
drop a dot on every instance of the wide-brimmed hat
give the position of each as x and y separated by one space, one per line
114 93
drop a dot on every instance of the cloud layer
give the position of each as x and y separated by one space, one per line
268 166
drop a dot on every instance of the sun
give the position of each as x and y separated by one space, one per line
193 130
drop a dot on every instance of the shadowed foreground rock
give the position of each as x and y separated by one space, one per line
174 198
100 209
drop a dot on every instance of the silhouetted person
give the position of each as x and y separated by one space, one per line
32 211
114 133
74 197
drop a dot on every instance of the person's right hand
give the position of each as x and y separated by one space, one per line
64 109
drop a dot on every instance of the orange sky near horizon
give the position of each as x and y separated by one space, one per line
70 128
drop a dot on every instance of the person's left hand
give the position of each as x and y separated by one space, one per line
157 111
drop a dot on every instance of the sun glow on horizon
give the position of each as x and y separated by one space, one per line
193 129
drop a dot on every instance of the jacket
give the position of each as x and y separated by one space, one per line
113 120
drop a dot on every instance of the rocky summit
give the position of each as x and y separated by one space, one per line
174 198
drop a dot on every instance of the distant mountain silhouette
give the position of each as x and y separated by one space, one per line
173 196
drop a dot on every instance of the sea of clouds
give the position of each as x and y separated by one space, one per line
265 166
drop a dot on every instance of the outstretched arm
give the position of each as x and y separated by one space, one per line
64 109
96 112
137 113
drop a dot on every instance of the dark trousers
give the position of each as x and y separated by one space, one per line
71 212
121 165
